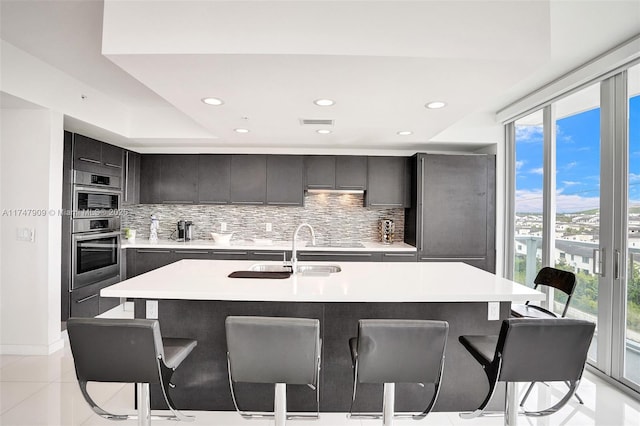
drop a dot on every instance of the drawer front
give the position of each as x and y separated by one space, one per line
400 257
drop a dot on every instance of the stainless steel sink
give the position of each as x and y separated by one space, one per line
263 267
302 269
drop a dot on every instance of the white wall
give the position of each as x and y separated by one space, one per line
31 146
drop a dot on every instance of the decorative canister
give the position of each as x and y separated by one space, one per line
387 229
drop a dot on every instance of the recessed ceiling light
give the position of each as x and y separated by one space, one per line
436 105
213 101
324 102
405 133
241 130
323 131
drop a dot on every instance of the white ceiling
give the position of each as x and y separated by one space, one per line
381 61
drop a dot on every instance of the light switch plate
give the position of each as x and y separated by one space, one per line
152 309
493 311
26 234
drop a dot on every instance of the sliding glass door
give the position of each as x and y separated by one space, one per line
576 206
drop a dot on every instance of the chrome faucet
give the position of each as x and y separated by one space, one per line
294 258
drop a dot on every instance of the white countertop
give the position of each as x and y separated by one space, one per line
251 245
196 279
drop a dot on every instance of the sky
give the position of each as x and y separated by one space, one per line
577 162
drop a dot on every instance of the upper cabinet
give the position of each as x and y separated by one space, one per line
248 179
131 187
346 172
284 180
320 171
214 179
387 182
91 155
171 179
351 172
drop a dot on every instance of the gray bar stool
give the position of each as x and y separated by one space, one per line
398 351
531 350
274 350
127 351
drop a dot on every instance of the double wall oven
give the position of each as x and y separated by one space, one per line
94 241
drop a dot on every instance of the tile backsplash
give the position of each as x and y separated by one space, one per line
335 217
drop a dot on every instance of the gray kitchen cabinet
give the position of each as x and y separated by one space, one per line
214 180
91 155
150 179
180 254
169 179
320 172
248 179
179 178
85 301
454 214
339 256
230 254
409 256
285 180
346 172
146 260
269 255
112 156
131 187
387 182
351 172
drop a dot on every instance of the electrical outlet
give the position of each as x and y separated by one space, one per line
26 234
493 311
152 309
268 227
223 226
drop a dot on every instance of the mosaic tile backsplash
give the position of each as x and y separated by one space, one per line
335 218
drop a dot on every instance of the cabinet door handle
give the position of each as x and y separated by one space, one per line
191 252
283 203
351 187
153 251
113 165
268 253
89 160
458 259
177 202
239 253
310 253
212 202
87 298
247 202
387 204
319 186
398 254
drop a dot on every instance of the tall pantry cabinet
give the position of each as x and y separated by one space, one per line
452 216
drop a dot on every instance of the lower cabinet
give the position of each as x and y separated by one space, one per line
140 261
342 256
409 256
85 302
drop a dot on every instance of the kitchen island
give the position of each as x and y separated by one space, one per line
195 296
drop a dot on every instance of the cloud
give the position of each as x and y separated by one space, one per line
519 164
570 183
537 171
570 165
530 201
634 178
529 133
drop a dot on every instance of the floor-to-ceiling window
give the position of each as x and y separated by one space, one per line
576 206
528 197
631 370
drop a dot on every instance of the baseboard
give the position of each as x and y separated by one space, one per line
32 349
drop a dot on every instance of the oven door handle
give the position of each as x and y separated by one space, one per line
97 190
95 235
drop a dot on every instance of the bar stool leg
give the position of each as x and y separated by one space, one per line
511 404
144 404
280 404
388 403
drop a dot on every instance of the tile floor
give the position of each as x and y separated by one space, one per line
42 390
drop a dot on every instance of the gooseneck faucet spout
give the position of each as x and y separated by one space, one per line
294 257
